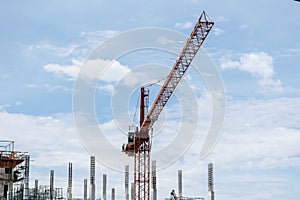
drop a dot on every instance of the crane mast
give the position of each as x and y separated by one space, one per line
139 140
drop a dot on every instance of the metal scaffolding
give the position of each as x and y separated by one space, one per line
45 193
14 172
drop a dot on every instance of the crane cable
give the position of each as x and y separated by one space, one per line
137 103
136 109
158 81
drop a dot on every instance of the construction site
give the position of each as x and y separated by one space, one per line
15 166
15 174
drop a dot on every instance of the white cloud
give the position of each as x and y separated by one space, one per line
40 131
4 106
257 64
109 88
19 103
260 64
259 145
269 84
164 40
94 38
57 51
51 142
134 78
91 40
114 71
218 31
264 138
221 19
91 70
87 42
71 71
48 87
186 25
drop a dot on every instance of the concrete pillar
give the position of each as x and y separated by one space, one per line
179 184
104 186
69 189
92 178
211 194
113 194
51 184
85 189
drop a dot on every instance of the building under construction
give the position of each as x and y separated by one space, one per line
14 172
14 177
14 181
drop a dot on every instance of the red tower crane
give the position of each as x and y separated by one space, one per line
139 139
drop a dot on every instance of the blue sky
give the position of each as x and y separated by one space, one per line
255 47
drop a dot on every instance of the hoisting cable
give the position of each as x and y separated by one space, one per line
136 109
158 81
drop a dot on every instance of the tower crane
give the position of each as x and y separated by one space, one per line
139 138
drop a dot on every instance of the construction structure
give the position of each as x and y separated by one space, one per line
139 137
179 184
36 188
45 193
92 178
26 178
85 189
70 177
113 194
104 186
14 177
153 181
211 193
132 192
52 185
14 171
21 191
127 182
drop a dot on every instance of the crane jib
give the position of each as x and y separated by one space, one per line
193 44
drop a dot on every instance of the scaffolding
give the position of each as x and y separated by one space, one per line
9 158
14 172
44 193
16 194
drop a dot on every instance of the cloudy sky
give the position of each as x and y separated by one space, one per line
255 47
